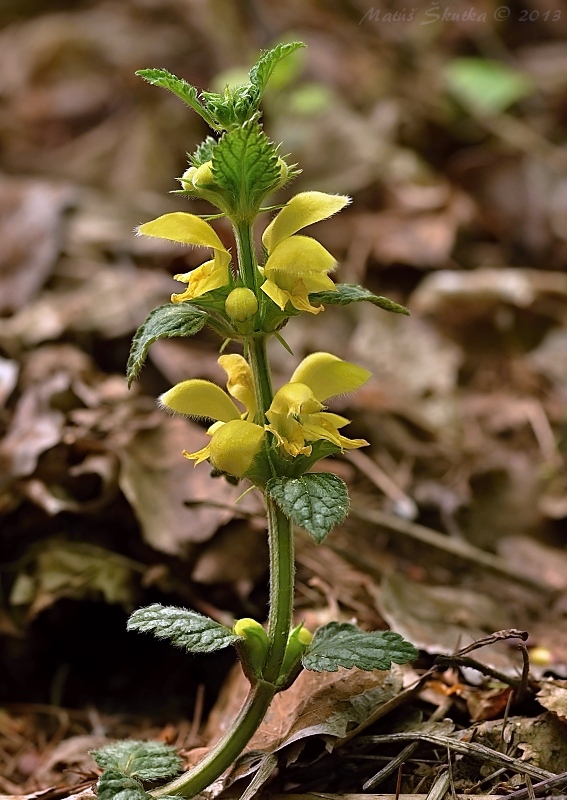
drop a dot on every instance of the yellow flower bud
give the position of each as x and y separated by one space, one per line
253 647
241 304
304 636
187 179
203 175
234 446
249 627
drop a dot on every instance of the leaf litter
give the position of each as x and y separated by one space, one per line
459 215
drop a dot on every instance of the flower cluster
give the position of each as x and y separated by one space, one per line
296 266
296 418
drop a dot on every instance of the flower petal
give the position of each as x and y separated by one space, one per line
187 229
299 255
200 398
235 445
210 275
294 399
240 382
327 375
303 209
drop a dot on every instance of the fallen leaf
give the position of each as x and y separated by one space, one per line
442 619
32 216
158 481
553 696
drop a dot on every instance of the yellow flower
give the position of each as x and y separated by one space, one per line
297 416
189 229
298 265
235 441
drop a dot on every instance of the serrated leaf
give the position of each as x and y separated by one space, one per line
203 153
115 785
245 163
317 501
351 293
147 761
344 645
163 322
184 628
180 88
263 68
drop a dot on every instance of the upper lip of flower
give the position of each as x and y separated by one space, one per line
298 265
297 415
190 229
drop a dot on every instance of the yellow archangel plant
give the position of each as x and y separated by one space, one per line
273 439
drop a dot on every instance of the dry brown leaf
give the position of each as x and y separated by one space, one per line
442 619
534 559
31 227
157 482
553 696
324 704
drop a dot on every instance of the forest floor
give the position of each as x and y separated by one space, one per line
449 136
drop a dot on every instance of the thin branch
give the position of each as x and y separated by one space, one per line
464 748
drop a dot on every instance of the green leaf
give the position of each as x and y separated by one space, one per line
203 153
485 86
163 322
115 785
263 68
351 293
147 761
317 501
184 628
180 88
245 163
344 645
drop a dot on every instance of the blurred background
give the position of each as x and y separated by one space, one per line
446 124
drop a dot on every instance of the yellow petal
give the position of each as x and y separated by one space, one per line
299 255
327 375
210 275
187 229
199 455
199 398
289 435
203 175
294 399
240 382
276 294
330 434
234 446
302 210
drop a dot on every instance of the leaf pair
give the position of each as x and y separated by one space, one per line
334 645
234 106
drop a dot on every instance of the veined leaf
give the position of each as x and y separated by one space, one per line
203 153
263 68
147 761
351 293
115 785
245 163
344 645
317 501
184 628
163 322
180 88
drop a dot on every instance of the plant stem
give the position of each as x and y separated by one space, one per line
246 255
227 750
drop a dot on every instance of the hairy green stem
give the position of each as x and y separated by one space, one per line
227 750
247 261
